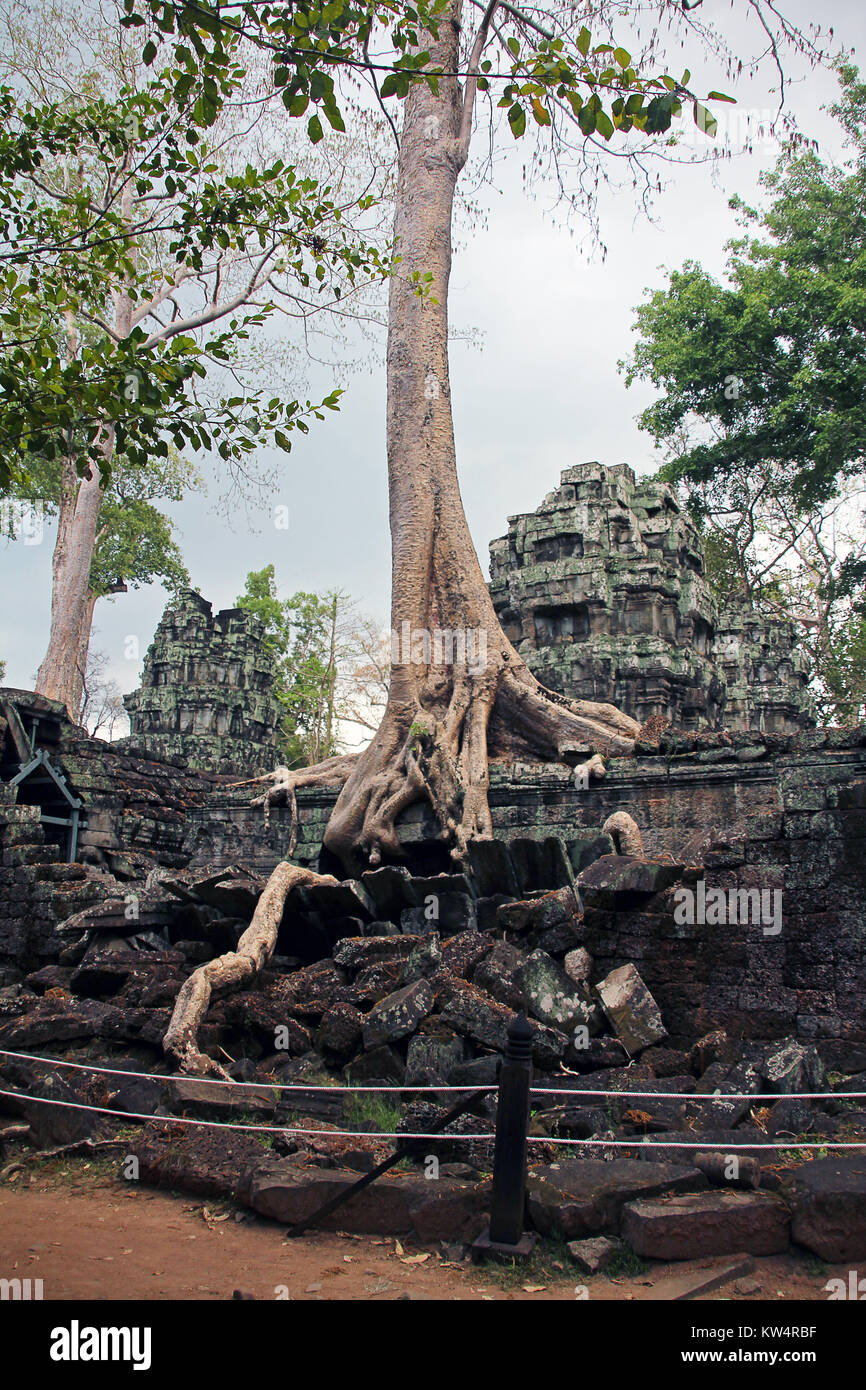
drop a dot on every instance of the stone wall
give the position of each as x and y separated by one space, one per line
603 592
207 690
784 813
135 804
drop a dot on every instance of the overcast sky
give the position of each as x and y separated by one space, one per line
541 393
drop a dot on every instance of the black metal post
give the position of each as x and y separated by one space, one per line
506 1236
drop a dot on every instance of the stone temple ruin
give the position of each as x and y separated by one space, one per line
207 690
603 592
410 974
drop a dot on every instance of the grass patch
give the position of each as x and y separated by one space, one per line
372 1112
625 1264
549 1263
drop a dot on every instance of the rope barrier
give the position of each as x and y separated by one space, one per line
217 1081
233 1124
391 1090
700 1095
395 1134
707 1145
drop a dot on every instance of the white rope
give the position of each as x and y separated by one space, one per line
217 1081
707 1145
394 1134
228 1124
701 1095
440 1090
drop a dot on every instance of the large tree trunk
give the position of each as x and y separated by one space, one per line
444 716
61 675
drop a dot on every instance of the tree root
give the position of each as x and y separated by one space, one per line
438 746
79 1146
624 830
593 767
284 780
231 971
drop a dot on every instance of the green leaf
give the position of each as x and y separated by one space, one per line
148 53
391 86
604 124
586 119
584 39
314 129
705 120
517 120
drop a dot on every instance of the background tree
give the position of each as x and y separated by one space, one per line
137 256
761 408
319 647
134 543
102 708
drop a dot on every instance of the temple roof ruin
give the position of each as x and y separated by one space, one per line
603 591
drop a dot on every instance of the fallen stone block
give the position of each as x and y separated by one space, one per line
829 1200
499 974
631 1009
396 1204
347 899
586 1197
433 1058
792 1116
462 953
397 1015
681 1227
792 1068
662 1147
595 1255
210 1163
200 1098
424 960
449 913
381 1064
339 1033
390 890
622 880
551 996
359 952
233 890
541 913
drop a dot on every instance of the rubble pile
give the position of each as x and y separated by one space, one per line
400 981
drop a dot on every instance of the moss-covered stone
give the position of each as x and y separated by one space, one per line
207 690
604 593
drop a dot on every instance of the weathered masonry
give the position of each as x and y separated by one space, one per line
603 592
207 690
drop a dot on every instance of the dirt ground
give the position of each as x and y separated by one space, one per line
89 1236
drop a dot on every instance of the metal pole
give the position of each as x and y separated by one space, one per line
506 1236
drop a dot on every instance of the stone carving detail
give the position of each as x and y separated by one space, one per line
603 592
207 690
